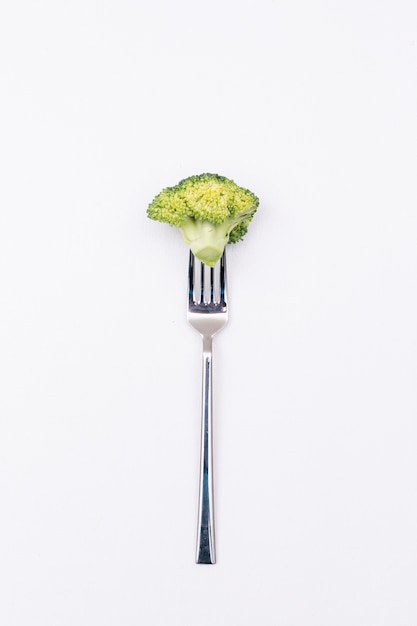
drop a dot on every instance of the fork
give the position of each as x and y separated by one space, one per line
207 313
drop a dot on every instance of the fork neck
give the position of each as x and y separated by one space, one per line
207 343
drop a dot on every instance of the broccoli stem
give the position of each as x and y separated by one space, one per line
206 240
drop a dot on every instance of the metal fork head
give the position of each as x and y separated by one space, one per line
207 296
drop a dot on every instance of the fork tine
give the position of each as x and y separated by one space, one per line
211 285
202 284
191 279
223 279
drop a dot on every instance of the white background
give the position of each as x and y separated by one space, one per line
313 106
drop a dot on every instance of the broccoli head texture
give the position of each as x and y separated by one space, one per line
209 210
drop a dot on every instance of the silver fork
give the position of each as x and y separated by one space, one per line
207 313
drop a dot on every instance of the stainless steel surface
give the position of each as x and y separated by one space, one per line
207 313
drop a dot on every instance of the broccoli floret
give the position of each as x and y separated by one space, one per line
210 211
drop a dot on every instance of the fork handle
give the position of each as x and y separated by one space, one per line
205 532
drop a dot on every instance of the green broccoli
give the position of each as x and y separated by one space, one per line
210 211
